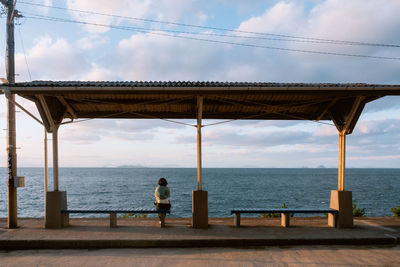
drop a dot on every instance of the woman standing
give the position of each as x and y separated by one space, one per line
162 194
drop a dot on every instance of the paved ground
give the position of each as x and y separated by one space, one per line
260 256
95 244
139 233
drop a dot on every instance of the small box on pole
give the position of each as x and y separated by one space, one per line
19 181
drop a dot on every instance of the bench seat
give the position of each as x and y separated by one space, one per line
113 212
286 213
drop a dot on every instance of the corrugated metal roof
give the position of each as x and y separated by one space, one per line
339 102
188 84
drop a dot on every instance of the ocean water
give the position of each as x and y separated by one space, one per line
376 190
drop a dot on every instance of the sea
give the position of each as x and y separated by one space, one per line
375 190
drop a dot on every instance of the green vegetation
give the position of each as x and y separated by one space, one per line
396 211
133 215
358 212
272 215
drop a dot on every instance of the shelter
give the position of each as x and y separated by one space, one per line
61 102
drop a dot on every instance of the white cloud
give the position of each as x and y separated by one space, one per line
171 10
134 8
154 57
126 130
283 17
325 131
378 127
202 17
355 20
43 10
91 42
3 73
98 73
370 135
174 10
385 103
52 59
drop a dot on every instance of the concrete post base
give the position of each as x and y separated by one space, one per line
56 201
332 220
285 219
199 209
343 202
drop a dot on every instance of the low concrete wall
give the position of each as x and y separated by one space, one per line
55 202
343 202
199 209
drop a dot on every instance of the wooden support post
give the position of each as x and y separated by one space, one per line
342 160
46 169
199 163
199 197
237 219
55 158
12 206
285 219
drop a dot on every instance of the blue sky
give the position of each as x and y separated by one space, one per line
68 51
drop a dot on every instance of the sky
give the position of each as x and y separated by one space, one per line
146 41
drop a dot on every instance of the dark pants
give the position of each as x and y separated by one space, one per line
162 206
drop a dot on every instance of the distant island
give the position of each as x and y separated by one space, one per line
131 166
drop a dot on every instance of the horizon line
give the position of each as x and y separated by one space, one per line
182 167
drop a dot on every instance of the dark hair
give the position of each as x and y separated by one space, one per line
162 182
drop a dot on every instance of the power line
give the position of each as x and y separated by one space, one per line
135 29
23 49
292 38
221 35
237 36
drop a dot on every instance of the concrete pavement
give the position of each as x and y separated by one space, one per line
145 233
259 256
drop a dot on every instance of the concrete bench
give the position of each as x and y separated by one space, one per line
286 213
113 213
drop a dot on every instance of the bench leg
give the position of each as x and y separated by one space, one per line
237 219
113 220
285 219
332 220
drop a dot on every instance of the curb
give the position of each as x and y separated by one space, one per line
103 244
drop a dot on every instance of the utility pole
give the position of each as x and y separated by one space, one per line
11 129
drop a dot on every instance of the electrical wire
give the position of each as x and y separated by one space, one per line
294 38
23 50
239 36
127 28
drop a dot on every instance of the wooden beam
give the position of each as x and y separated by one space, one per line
68 106
46 110
327 108
350 118
191 115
